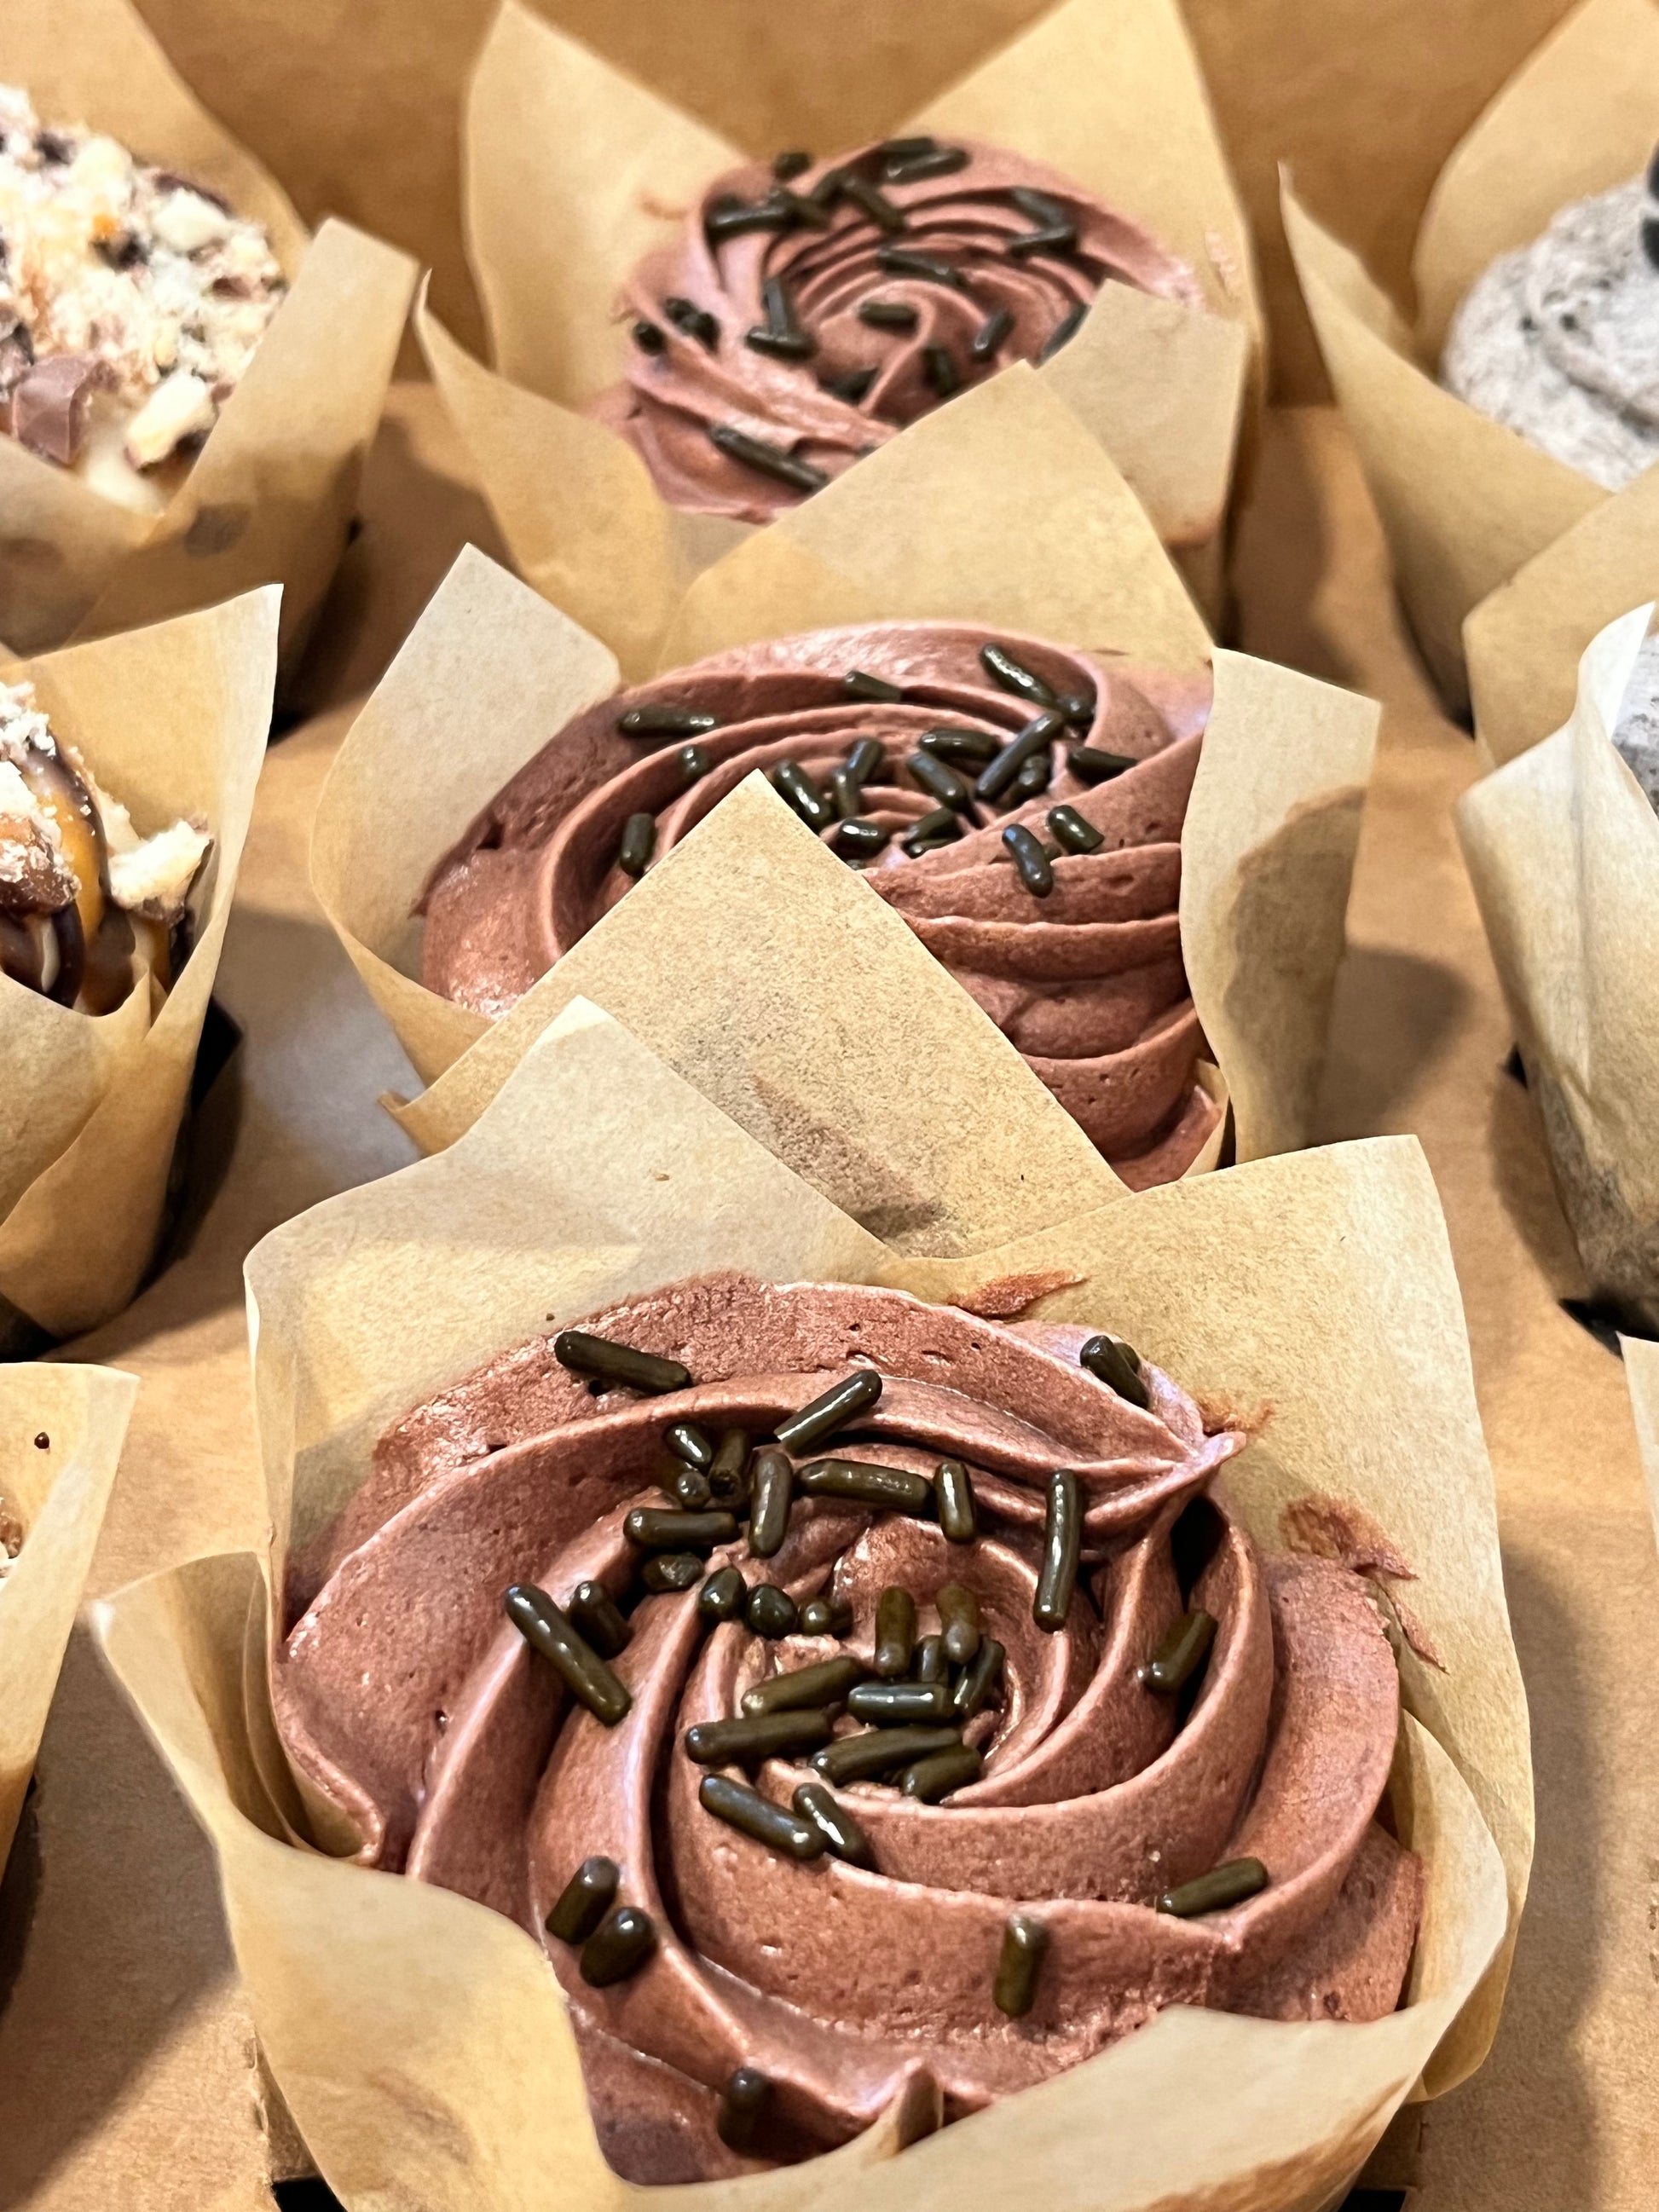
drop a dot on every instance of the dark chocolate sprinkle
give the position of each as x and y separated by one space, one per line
916 168
1072 832
1116 1364
796 787
687 1442
1029 860
1079 707
823 1415
688 1486
1182 1653
751 1814
1025 1944
584 1900
859 683
747 2093
942 1771
618 1362
753 1737
695 762
866 757
959 1614
1214 1892
773 1479
1059 238
908 149
666 1573
889 314
1011 674
649 337
639 843
618 1947
896 1632
734 221
1041 207
891 1489
941 781
696 322
654 1529
955 1491
595 1615
824 1683
939 827
1032 781
979 1685
722 1596
662 718
990 334
765 461
846 794
826 1616
880 1751
793 163
1063 331
929 1662
874 202
976 746
579 1667
728 1473
840 1831
1036 735
770 1611
853 384
900 261
1062 1543
1091 765
942 371
856 839
899 1705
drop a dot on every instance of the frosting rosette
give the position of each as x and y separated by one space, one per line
884 1713
917 750
809 311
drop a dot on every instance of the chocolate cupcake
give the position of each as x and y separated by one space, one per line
1557 341
131 301
1020 804
811 310
88 906
837 1750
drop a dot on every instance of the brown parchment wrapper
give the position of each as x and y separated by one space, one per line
572 171
1563 850
1016 518
270 497
1465 503
171 720
419 2040
61 1430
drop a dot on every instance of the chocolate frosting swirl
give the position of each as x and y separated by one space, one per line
409 1704
1088 982
822 385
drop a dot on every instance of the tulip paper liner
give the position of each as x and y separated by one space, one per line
171 720
270 495
1001 510
1486 528
421 2041
1563 850
573 171
61 1431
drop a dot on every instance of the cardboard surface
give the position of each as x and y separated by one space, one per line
150 2101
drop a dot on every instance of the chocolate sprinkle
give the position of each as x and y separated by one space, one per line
608 1362
900 261
1029 858
1025 1944
747 2093
584 1900
767 460
1214 1892
618 1947
1062 1545
1063 332
579 1667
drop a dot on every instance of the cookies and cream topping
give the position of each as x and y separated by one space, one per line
125 292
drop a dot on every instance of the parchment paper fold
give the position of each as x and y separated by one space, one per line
419 2040
270 497
1001 510
1507 561
1563 850
572 170
172 720
61 1431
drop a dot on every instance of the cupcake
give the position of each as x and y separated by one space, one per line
743 1645
1557 341
131 301
1019 803
88 908
810 310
